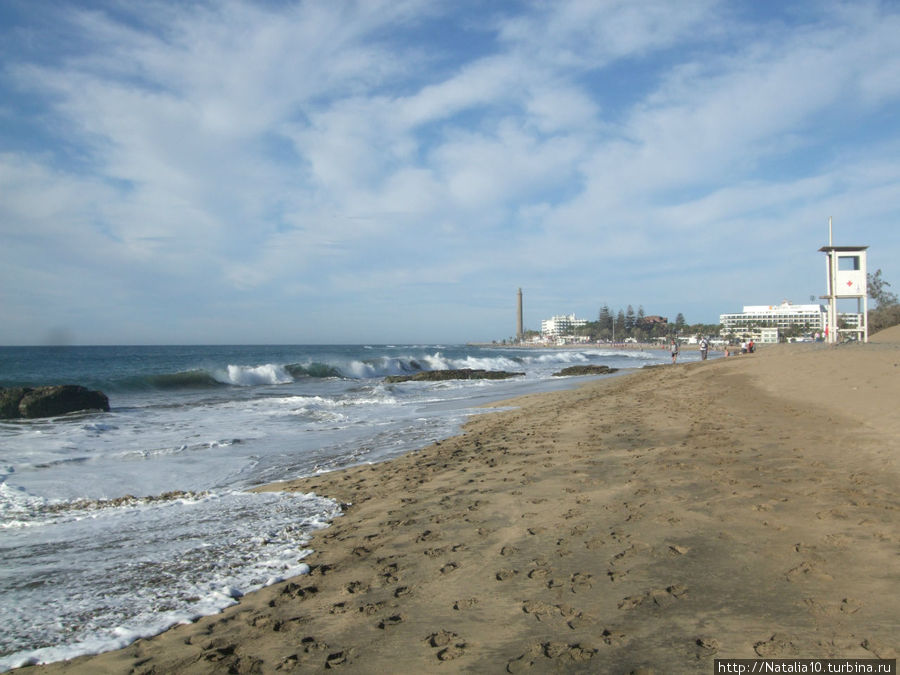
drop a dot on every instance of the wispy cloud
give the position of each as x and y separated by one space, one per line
349 158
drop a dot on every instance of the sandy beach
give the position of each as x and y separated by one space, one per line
651 522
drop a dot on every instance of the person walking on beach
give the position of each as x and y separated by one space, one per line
673 348
704 348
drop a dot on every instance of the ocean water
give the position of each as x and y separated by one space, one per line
118 525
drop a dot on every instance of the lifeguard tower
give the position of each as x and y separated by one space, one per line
846 275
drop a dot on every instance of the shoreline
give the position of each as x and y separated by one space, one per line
657 519
638 346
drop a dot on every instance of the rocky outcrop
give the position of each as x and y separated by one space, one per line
458 374
9 402
28 403
585 370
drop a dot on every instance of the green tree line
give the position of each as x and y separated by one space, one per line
886 312
628 323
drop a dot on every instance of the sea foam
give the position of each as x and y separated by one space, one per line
249 376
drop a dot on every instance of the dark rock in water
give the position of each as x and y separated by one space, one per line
9 401
585 370
25 402
460 374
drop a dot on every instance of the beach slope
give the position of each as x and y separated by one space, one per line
737 508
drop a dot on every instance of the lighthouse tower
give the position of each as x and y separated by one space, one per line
520 332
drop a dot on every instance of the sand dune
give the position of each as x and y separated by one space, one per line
887 336
649 522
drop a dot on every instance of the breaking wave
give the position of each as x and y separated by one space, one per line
231 375
234 375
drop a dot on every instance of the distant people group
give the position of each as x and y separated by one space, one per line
747 347
704 349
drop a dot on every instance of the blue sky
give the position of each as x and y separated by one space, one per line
392 171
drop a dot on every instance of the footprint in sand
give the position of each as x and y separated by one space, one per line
657 597
405 522
779 645
706 647
580 582
390 573
320 570
295 591
540 573
595 543
448 644
390 621
310 645
850 606
288 663
427 535
806 570
259 620
637 548
542 611
612 638
560 655
340 658
218 649
539 610
288 625
371 608
616 575
356 587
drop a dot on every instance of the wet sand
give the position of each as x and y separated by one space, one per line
650 522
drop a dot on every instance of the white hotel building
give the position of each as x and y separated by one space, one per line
559 326
809 318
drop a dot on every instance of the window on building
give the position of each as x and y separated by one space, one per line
848 263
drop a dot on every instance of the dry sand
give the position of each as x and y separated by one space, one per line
651 522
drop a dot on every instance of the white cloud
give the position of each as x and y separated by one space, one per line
585 34
251 153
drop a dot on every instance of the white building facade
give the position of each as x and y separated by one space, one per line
808 318
558 326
